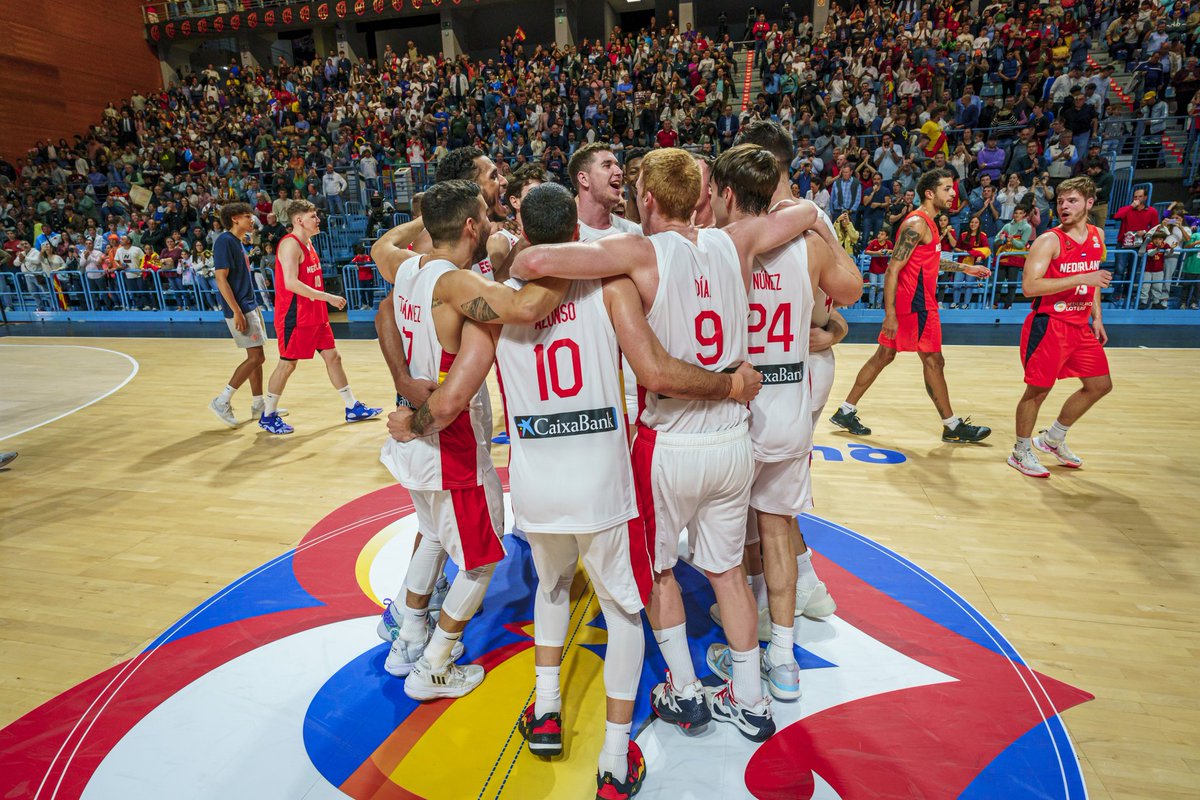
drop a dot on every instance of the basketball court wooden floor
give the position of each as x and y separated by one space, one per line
222 586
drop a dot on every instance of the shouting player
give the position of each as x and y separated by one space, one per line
1063 336
910 319
302 319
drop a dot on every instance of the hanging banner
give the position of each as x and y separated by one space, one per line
235 22
297 14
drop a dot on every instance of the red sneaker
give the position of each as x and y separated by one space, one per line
544 734
609 789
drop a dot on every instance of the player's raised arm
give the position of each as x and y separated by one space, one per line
476 354
1034 282
486 301
658 371
621 254
391 249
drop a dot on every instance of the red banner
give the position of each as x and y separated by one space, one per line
170 30
286 15
219 24
155 32
269 18
252 19
306 13
185 28
322 11
360 7
340 8
397 4
379 5
235 22
201 26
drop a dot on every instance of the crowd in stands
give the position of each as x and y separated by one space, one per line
1006 98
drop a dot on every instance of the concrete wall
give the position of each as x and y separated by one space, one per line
62 63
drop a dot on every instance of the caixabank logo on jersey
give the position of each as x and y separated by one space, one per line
567 423
776 374
275 688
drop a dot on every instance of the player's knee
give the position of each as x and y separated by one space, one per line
885 355
256 357
933 360
1101 386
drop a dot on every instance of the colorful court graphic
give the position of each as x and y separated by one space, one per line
275 688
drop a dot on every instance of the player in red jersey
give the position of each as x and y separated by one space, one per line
302 320
1062 274
911 311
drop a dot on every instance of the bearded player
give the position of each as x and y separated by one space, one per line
911 320
1063 336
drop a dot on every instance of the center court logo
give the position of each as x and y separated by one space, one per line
567 423
275 688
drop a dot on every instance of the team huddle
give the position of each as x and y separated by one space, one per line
657 379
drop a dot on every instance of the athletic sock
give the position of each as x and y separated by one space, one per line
747 676
952 422
227 394
272 404
547 697
806 576
614 755
413 627
758 585
441 644
1057 432
848 408
1024 444
673 644
347 396
780 648
256 399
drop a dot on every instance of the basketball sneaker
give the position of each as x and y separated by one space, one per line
685 706
1059 450
405 653
1026 462
609 789
850 422
965 432
764 621
423 683
543 734
389 625
224 411
753 722
783 680
360 412
258 408
271 423
815 602
440 590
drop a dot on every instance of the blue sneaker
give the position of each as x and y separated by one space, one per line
271 423
361 412
501 438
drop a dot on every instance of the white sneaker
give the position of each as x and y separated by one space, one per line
783 680
257 410
224 411
1026 463
423 683
1059 451
405 653
764 621
815 602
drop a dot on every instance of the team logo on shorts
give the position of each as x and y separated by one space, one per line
1060 306
275 688
567 423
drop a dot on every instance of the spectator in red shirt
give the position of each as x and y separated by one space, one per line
1136 220
879 249
1154 283
667 137
760 31
366 275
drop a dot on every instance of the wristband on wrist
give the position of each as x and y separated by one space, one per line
738 383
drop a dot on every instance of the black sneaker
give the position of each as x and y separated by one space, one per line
544 733
850 422
686 707
609 789
965 432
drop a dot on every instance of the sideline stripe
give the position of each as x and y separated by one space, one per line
114 390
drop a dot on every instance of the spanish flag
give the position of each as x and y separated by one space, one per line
520 34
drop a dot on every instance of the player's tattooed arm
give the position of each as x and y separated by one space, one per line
486 301
909 240
422 420
977 270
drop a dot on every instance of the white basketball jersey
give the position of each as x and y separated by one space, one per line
484 266
569 469
781 307
589 234
699 315
457 456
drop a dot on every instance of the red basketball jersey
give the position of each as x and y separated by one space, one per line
294 310
1072 305
916 289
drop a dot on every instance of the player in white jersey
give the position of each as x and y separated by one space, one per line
448 471
692 459
598 180
745 179
572 482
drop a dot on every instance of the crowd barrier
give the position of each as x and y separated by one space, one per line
146 295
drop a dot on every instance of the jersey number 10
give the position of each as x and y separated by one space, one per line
549 363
